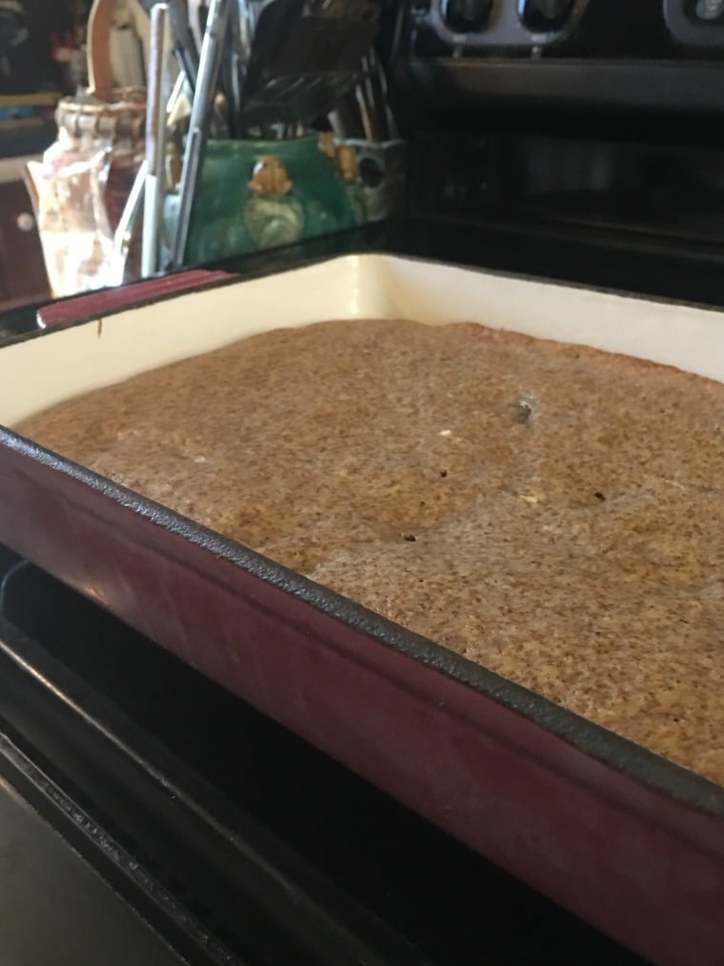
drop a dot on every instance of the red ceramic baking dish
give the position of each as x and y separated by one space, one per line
626 839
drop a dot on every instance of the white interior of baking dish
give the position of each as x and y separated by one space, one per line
40 372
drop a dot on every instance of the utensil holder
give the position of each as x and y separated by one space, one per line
257 195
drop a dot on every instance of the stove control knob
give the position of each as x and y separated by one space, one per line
543 16
466 16
709 11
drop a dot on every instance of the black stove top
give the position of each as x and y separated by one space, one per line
207 828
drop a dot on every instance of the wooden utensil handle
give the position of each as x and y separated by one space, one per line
100 73
109 301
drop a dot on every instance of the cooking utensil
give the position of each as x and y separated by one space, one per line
196 20
155 141
125 232
185 48
345 119
229 76
70 310
241 28
179 105
304 58
247 27
211 52
371 95
630 841
381 85
366 112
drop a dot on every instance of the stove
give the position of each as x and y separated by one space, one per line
146 815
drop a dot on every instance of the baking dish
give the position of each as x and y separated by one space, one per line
626 839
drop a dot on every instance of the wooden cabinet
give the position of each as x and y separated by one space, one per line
23 279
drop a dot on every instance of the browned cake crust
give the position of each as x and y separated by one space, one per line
552 512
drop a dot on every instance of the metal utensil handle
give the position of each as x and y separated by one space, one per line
208 72
123 238
184 43
155 113
155 141
393 130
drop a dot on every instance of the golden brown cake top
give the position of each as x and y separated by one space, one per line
552 512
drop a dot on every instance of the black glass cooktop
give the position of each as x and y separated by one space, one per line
234 839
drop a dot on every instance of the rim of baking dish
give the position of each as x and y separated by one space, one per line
623 755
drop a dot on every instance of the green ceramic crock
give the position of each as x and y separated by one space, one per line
231 218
